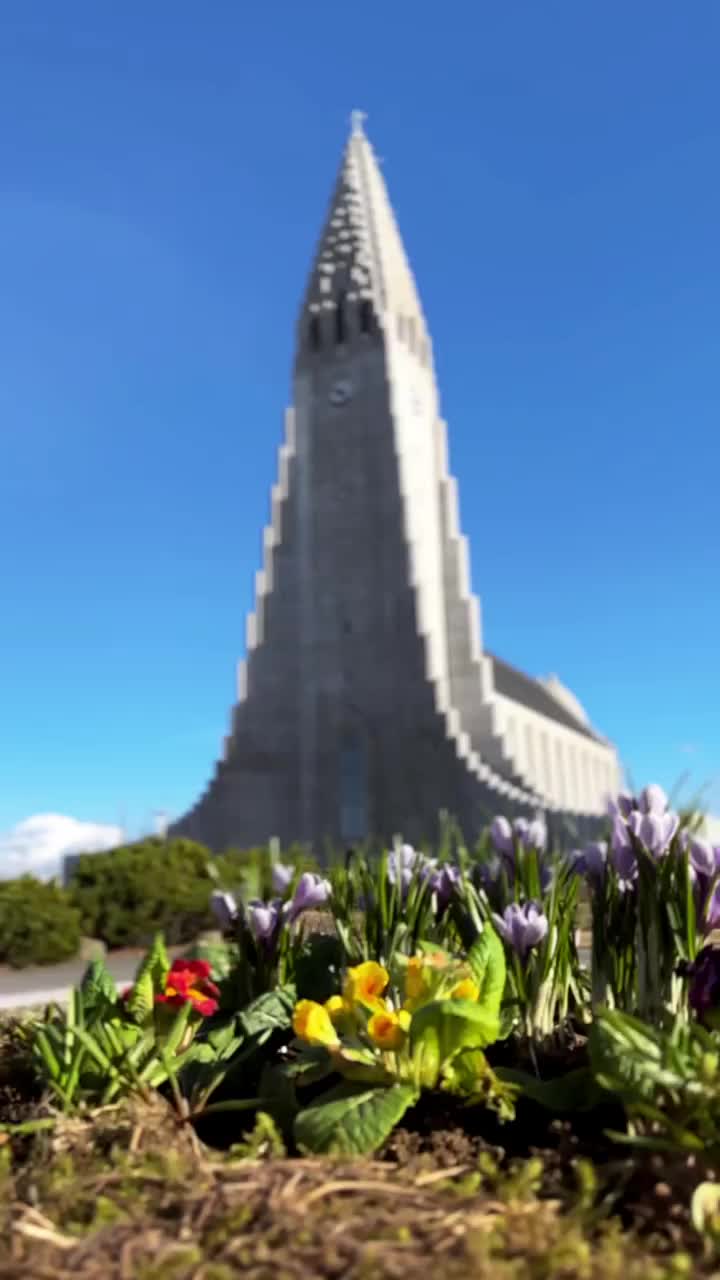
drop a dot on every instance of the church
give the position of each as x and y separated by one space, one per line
367 704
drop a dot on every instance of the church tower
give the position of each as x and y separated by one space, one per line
366 704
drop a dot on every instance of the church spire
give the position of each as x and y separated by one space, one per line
360 265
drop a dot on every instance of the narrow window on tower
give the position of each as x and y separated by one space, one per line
314 333
411 333
340 319
353 797
365 316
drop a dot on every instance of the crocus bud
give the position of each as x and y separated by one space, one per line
536 834
311 892
595 861
264 919
282 875
501 835
444 882
224 907
405 864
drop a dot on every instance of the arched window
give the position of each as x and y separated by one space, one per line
314 333
340 319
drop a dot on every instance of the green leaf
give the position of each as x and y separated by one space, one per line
97 988
277 1089
149 979
141 1001
356 1063
314 1063
466 1072
223 1038
177 1029
470 1076
575 1091
352 1120
443 1028
270 1012
486 959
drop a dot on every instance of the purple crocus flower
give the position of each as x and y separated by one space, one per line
311 892
711 915
652 799
595 860
704 866
444 883
622 806
622 855
225 909
522 926
490 870
655 830
265 919
704 986
703 859
501 835
535 834
282 875
574 860
405 864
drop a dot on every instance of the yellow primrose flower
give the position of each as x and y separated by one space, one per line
415 984
404 1019
465 990
365 983
385 1030
337 1008
311 1022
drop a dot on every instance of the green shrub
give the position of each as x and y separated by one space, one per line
38 923
129 894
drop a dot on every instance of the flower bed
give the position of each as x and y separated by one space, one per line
443 1029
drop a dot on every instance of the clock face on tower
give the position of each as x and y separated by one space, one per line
341 391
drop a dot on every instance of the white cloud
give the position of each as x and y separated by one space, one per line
38 845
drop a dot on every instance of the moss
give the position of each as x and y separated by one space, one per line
131 1183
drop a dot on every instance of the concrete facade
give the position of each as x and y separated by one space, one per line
366 703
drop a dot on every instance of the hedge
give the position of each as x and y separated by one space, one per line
38 923
128 894
125 896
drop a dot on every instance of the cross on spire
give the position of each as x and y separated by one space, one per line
356 121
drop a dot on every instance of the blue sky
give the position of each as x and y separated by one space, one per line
163 178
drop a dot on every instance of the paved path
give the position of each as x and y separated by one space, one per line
40 985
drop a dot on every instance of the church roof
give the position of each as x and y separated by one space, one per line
360 254
514 684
